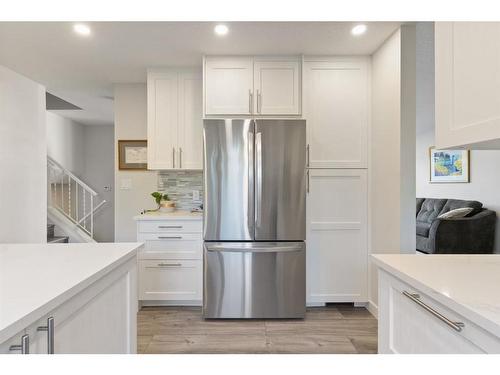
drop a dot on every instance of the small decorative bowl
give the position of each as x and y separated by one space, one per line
167 206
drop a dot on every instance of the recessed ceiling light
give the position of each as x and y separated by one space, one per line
81 29
221 29
358 29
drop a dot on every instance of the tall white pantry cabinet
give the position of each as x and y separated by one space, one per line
333 95
337 109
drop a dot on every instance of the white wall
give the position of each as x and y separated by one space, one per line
86 151
392 159
99 173
23 155
65 142
131 124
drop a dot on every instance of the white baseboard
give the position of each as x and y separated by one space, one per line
372 308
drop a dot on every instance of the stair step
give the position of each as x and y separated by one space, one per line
58 239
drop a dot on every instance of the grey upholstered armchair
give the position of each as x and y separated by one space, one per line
473 234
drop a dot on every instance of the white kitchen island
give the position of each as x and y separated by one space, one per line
68 298
438 303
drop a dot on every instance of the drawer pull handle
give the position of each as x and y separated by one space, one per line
457 326
169 264
170 237
170 226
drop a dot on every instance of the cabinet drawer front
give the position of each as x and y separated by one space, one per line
174 246
177 280
412 328
186 226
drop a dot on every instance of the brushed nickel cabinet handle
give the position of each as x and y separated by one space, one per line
457 326
49 328
24 348
307 182
173 157
180 157
307 155
169 226
169 264
170 237
250 101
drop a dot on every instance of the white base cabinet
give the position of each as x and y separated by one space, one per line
170 264
406 327
337 253
101 319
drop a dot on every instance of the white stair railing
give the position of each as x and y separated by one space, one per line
72 197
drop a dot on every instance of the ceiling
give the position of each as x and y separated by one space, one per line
82 70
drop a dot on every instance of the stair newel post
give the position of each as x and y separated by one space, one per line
92 215
69 197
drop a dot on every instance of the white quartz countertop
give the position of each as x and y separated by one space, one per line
175 215
36 278
467 284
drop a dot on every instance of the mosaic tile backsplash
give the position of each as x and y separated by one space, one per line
179 185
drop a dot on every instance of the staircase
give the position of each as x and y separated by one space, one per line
52 238
72 204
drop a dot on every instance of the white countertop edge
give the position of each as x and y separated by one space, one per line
176 215
462 309
15 327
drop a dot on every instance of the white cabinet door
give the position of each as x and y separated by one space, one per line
190 121
337 236
467 76
228 85
170 280
162 120
336 96
277 87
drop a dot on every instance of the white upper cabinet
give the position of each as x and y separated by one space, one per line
260 86
175 122
190 121
467 77
336 100
277 87
228 85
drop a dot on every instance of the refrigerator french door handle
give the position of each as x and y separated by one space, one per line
258 178
251 192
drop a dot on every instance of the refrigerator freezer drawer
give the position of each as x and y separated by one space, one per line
254 280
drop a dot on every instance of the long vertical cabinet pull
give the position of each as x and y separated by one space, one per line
250 101
49 328
307 182
24 347
173 157
307 156
180 157
258 101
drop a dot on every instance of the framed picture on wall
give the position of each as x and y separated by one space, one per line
449 165
132 155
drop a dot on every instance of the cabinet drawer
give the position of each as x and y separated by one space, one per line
171 246
177 280
170 226
407 327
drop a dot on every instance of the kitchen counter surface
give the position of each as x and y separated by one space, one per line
468 284
36 278
175 215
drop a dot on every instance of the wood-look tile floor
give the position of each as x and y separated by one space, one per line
332 329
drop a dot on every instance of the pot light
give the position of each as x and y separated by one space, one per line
221 30
358 29
81 29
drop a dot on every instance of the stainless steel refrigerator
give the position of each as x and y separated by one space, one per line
254 218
